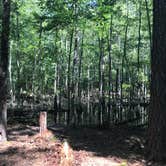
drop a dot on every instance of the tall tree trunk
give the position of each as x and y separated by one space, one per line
117 97
75 64
69 78
56 109
88 102
55 95
123 62
110 71
38 74
139 37
4 58
124 55
80 67
149 24
157 123
18 87
11 79
75 77
117 85
79 109
101 115
138 48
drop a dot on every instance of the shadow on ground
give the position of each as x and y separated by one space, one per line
17 151
116 142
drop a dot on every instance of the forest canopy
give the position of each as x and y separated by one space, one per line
41 32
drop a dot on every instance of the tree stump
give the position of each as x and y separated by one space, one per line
43 123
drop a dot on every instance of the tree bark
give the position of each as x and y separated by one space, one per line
18 87
4 58
139 37
149 24
123 63
110 71
69 78
157 122
101 114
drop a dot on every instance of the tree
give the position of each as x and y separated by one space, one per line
157 123
60 39
4 68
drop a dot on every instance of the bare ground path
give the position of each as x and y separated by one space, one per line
91 147
113 147
24 149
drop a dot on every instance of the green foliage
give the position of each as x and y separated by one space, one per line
41 40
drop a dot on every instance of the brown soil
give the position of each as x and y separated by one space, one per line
89 147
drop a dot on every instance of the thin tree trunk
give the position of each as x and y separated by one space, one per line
55 95
80 67
11 80
117 85
38 61
75 77
149 24
101 114
56 109
110 71
117 89
18 90
139 36
88 102
122 69
79 109
138 48
69 78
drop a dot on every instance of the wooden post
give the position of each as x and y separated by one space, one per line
43 122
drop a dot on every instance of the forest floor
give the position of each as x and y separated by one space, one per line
89 147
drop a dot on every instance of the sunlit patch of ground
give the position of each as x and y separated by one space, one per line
92 160
24 149
89 147
97 147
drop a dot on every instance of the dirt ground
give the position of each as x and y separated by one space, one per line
89 147
116 146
